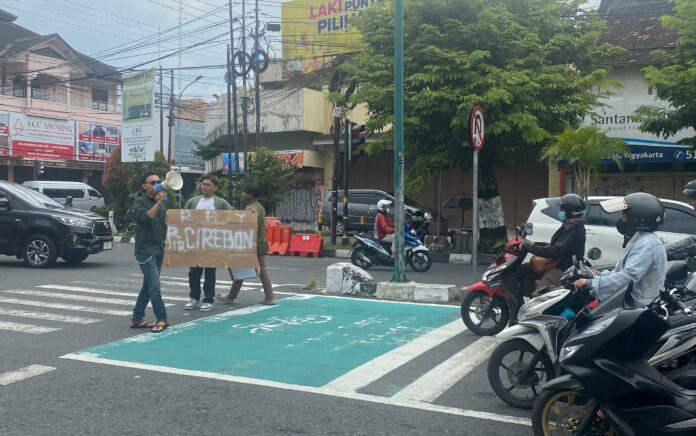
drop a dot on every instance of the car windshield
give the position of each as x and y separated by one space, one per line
33 198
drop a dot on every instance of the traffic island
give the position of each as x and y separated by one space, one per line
348 279
418 292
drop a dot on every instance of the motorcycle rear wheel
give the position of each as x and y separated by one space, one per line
559 412
356 257
504 374
473 307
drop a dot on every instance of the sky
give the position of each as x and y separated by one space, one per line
124 33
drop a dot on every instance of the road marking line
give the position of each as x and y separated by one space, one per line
23 373
73 307
439 379
136 284
103 292
386 363
47 316
183 281
320 391
26 328
74 297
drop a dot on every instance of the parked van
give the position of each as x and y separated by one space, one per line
84 196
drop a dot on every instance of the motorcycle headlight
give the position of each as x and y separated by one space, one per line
596 327
428 216
566 352
73 222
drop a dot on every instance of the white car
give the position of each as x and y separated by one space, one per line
680 222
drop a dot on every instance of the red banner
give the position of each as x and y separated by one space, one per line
291 157
42 150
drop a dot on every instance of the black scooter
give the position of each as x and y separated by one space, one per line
610 387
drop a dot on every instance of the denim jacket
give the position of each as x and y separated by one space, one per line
644 263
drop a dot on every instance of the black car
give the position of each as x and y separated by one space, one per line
38 229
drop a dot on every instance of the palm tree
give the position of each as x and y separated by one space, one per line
584 149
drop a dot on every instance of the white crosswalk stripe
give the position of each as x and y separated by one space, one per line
47 316
84 298
167 286
104 292
61 306
26 328
23 374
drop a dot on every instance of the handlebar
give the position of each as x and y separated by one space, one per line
676 301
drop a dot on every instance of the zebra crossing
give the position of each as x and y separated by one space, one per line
52 307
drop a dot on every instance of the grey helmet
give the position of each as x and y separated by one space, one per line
644 212
690 190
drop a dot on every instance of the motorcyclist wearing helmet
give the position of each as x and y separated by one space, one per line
686 247
384 226
644 261
568 241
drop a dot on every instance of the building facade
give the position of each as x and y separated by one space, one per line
59 109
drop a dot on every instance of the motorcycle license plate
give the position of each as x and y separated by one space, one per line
108 245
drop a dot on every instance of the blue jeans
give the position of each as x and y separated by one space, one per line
151 266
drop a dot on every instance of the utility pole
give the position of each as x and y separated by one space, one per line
171 118
228 79
245 101
161 102
346 160
400 270
257 85
233 79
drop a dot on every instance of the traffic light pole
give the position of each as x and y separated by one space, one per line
400 264
346 160
334 185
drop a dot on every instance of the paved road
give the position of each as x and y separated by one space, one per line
66 368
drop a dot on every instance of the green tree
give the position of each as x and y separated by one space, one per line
674 78
272 175
121 180
532 64
584 149
205 152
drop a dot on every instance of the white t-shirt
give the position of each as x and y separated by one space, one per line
206 203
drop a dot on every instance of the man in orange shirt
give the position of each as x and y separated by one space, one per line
384 226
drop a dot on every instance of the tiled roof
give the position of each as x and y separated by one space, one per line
635 25
15 39
193 109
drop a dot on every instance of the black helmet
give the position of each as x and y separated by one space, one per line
572 204
690 190
644 212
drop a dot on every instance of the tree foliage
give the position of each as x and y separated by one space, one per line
121 180
674 78
205 152
584 149
530 63
271 174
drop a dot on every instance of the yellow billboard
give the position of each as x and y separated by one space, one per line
313 31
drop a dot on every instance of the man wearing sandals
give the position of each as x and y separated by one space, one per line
151 231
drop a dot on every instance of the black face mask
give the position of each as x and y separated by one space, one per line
624 228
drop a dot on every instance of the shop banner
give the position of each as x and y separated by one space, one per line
646 151
4 134
139 136
291 157
211 238
96 142
42 138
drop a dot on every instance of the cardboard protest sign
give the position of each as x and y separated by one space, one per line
211 238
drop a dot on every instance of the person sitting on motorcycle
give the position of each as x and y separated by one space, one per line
384 226
686 247
644 262
568 241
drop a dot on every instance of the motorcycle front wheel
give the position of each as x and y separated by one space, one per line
420 261
560 412
507 366
484 315
360 257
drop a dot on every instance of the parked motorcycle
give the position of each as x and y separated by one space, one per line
611 387
492 303
369 251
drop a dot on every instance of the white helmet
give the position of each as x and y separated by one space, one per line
383 205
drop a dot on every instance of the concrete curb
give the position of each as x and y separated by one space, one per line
417 292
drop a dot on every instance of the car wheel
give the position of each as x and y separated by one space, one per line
75 258
339 227
39 251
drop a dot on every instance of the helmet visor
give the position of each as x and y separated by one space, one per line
614 205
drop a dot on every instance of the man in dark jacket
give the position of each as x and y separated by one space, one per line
687 246
568 241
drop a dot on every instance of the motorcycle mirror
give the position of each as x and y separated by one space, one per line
594 253
691 263
530 225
